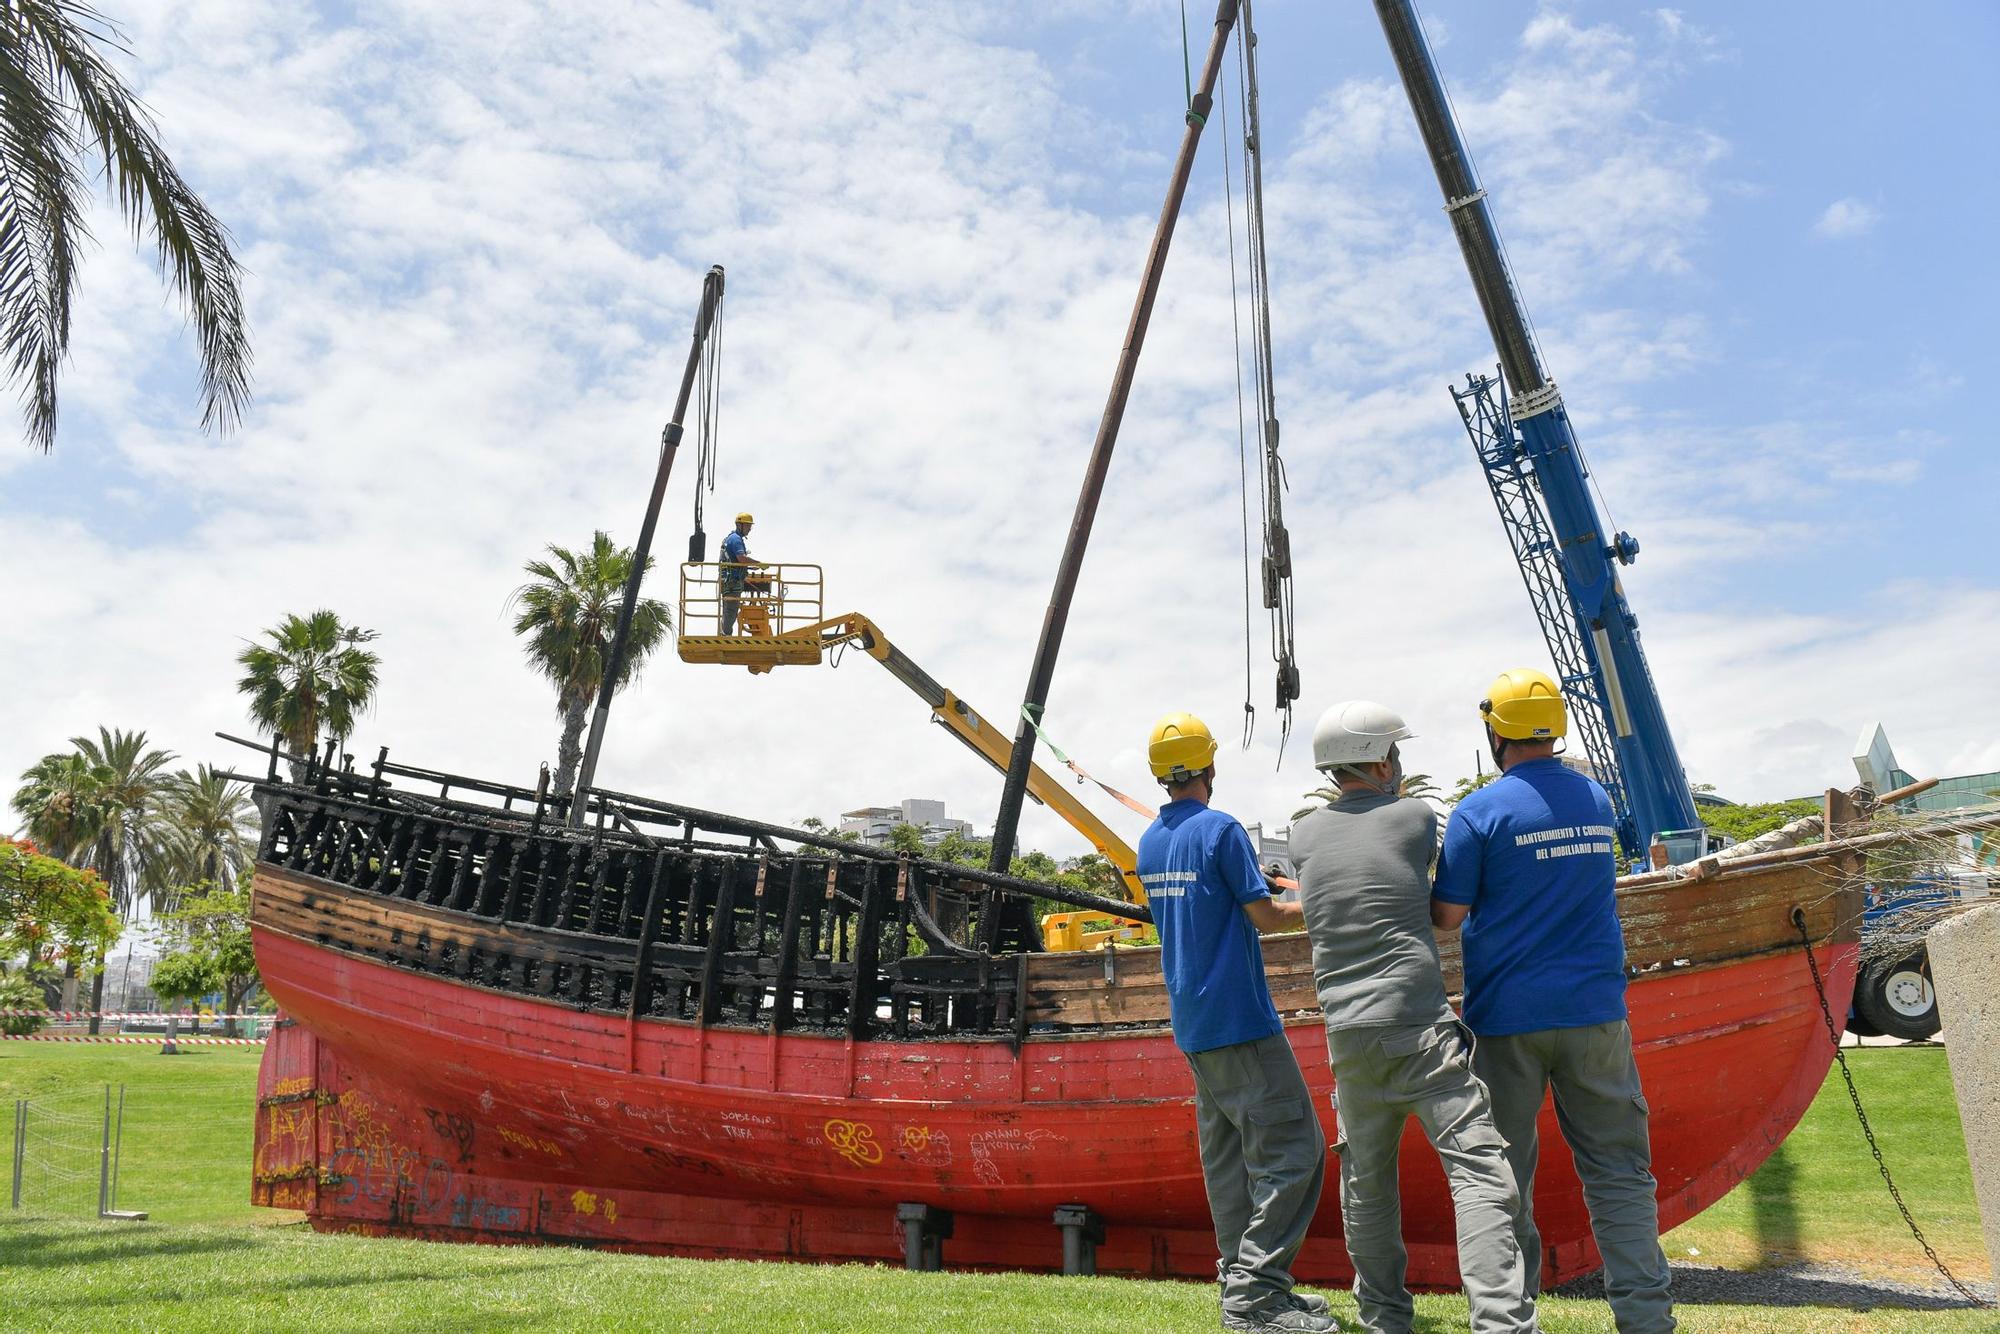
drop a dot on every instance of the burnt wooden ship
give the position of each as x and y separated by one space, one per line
672 1030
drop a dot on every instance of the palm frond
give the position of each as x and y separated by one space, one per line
54 46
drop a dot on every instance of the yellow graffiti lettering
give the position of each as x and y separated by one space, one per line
583 1202
916 1138
854 1141
535 1142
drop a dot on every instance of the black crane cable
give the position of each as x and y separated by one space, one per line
708 406
1277 571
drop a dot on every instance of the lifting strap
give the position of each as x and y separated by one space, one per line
1083 776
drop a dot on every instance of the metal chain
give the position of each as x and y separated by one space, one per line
1854 1096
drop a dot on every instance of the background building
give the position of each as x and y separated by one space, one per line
872 824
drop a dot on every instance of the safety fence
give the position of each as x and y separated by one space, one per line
66 1153
154 1040
138 1027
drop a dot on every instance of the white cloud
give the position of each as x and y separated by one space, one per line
1846 217
477 235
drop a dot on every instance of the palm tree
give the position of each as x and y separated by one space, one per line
65 805
129 851
213 833
129 848
568 611
62 105
311 675
62 803
1413 785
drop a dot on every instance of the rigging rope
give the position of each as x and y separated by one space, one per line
708 406
1242 431
1277 571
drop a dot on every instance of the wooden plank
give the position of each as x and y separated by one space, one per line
865 951
721 930
788 949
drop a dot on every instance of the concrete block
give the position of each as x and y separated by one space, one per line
1965 967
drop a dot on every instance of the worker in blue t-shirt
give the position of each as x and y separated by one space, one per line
1529 868
736 565
1263 1155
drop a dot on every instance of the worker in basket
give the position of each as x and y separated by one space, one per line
736 566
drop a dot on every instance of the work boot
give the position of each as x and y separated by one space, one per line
1310 1302
1285 1319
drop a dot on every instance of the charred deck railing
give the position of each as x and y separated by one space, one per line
656 909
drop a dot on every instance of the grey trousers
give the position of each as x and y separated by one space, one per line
1263 1160
1382 1077
1602 1114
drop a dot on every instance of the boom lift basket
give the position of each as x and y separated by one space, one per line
779 616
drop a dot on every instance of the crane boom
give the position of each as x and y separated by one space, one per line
1529 452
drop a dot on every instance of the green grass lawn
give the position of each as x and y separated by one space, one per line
197 1266
1820 1197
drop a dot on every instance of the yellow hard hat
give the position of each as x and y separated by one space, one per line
1525 705
1179 748
744 517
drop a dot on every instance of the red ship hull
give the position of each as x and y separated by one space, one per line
396 1102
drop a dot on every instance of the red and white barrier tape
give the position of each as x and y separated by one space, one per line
144 1042
71 1016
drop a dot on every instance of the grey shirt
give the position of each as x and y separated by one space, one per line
1364 882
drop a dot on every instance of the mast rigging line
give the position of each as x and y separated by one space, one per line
1277 547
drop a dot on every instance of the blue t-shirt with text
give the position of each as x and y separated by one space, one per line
1199 869
1534 854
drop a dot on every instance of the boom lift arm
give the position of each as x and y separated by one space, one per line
780 596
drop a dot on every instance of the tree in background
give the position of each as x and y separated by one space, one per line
62 101
212 831
1465 787
311 675
1754 818
63 803
1418 786
129 850
51 912
568 611
205 947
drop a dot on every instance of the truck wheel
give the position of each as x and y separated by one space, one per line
1857 1022
1897 997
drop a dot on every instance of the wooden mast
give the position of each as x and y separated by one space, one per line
1057 616
670 442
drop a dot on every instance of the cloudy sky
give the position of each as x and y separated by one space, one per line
476 231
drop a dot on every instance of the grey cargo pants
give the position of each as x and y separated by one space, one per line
1263 1160
1383 1076
1603 1115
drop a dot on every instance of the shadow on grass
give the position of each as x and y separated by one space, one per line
28 1246
1774 1207
237 1285
1789 1286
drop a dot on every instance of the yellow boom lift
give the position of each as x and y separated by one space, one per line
781 622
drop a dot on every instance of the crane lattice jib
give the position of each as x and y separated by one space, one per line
1511 478
1532 423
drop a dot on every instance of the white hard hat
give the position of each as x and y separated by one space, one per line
1356 731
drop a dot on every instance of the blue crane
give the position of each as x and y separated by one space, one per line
1528 451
